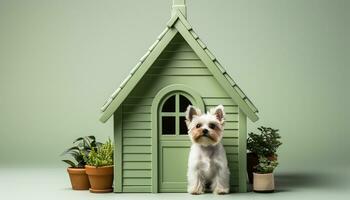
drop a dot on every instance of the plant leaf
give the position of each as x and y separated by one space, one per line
92 137
70 149
72 164
78 139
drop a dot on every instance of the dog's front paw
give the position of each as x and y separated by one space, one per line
196 190
221 190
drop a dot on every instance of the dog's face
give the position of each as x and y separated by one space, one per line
205 129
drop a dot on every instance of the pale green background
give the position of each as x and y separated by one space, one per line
60 60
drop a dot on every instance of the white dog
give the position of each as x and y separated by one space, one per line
207 162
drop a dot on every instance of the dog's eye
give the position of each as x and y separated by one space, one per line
198 125
212 126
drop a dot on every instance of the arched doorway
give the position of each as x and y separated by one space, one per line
173 143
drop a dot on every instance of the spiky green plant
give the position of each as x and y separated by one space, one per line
82 147
101 156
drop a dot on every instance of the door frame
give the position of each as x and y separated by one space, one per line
155 120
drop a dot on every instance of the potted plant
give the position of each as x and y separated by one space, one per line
263 144
99 168
82 146
263 175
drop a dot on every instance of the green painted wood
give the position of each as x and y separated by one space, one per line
142 101
172 172
180 71
137 181
155 109
136 109
231 117
231 149
136 121
230 141
177 58
179 63
137 149
177 39
183 20
233 166
233 189
172 20
156 83
232 157
137 157
231 125
231 133
182 47
136 141
118 152
182 26
137 117
136 125
137 173
179 55
137 188
138 74
214 101
234 181
137 165
136 133
228 109
242 152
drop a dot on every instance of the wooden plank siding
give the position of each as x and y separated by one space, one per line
177 64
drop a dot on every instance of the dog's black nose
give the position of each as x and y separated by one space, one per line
205 131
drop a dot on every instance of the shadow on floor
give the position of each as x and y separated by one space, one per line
286 182
290 181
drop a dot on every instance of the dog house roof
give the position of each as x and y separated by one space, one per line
178 23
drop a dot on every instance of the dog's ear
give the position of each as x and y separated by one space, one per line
219 113
191 112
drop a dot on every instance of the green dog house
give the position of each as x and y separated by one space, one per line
151 141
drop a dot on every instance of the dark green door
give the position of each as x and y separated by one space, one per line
174 143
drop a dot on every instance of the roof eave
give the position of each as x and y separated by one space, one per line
178 23
208 58
128 84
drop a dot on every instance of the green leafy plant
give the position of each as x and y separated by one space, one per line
264 144
265 165
82 147
101 156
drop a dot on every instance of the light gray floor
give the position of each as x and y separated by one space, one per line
53 183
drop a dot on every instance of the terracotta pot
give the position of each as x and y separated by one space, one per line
263 182
78 178
252 161
101 178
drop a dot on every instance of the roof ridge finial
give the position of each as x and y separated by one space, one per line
179 5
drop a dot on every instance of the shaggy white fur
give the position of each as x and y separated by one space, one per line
207 162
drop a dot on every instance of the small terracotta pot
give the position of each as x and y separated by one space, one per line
101 178
263 182
78 178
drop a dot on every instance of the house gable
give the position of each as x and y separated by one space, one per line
179 24
178 67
